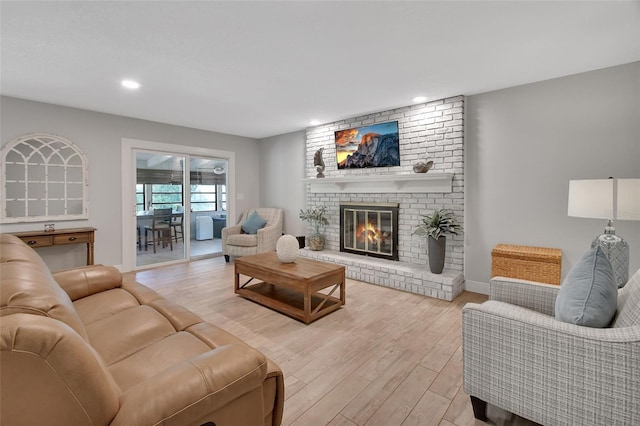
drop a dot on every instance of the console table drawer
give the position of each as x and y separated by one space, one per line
80 237
38 241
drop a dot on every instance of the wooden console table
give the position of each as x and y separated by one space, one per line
37 239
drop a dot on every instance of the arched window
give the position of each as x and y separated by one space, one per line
44 177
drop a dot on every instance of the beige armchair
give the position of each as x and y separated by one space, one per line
237 243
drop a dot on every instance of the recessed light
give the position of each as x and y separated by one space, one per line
314 122
419 99
130 84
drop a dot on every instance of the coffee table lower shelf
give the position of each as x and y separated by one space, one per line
290 302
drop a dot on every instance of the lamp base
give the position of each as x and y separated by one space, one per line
617 251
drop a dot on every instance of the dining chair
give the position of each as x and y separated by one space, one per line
160 229
176 225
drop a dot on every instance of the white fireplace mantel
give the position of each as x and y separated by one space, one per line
380 184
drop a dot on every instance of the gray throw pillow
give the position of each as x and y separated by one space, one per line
255 222
588 295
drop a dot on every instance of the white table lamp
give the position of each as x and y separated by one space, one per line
611 199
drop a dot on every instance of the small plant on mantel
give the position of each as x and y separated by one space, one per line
434 227
316 217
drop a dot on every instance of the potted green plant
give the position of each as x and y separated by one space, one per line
316 217
435 226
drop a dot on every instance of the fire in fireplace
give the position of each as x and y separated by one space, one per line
369 229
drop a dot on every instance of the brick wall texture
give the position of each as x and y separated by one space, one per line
429 131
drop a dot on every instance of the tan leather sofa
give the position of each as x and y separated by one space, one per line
79 347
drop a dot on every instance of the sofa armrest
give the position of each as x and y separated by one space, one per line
277 410
195 388
537 367
83 282
528 294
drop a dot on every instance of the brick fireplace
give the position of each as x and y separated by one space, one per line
430 131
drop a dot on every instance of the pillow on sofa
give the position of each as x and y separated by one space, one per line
255 222
588 295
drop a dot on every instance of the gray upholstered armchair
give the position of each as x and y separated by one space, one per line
518 357
237 243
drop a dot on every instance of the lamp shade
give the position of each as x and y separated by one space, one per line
592 198
605 199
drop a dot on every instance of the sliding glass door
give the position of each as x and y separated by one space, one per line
177 217
160 208
208 202
192 183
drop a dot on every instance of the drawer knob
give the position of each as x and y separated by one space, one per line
32 242
72 238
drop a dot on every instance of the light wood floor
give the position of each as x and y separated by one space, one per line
386 358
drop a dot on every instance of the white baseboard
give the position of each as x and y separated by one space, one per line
476 287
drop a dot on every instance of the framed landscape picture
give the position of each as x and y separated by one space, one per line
376 145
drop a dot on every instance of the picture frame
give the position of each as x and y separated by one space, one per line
374 145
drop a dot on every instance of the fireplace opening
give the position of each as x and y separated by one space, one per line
369 229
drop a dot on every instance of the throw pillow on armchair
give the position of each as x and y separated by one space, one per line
255 222
588 295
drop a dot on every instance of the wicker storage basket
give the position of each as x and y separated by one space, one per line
538 264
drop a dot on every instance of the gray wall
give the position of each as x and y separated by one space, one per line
99 136
525 143
282 160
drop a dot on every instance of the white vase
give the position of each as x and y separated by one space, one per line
287 248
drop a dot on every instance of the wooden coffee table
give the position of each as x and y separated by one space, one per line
291 288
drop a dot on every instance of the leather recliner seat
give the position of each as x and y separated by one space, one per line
80 347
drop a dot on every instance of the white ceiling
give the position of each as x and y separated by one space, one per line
264 68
